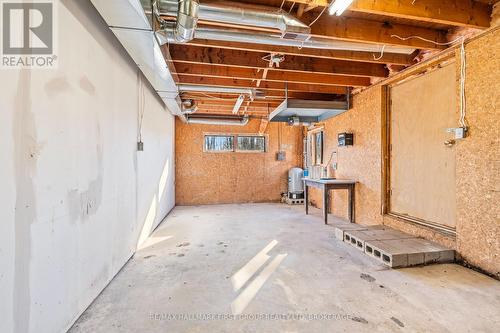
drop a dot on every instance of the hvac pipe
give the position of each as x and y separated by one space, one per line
215 121
183 29
215 89
189 106
235 13
233 35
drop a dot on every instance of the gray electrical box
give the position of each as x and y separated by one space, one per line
281 156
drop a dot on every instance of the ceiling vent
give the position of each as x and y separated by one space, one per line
308 111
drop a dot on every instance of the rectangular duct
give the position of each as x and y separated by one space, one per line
131 22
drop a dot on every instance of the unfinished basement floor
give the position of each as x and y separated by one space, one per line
273 260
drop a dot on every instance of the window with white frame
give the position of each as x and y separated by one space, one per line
218 143
315 147
251 143
235 143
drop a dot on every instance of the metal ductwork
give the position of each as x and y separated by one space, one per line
182 31
293 32
233 35
216 89
132 24
241 14
189 106
242 121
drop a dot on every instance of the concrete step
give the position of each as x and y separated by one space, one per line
358 238
392 247
408 252
341 228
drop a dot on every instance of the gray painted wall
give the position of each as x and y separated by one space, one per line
76 198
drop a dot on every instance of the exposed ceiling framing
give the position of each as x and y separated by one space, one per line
317 73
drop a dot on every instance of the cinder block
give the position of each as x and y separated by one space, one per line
340 228
439 257
381 233
352 238
408 252
414 259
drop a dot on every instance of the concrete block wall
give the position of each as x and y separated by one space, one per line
76 197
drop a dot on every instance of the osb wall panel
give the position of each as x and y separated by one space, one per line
422 167
213 178
361 162
420 231
478 158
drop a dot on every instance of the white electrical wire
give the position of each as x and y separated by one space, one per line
317 18
428 40
142 102
463 64
381 54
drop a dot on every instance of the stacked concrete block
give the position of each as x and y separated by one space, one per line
358 238
391 247
408 252
342 228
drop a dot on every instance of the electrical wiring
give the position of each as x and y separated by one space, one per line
381 54
317 18
141 104
428 40
463 64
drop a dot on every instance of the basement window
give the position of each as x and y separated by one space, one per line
218 143
251 144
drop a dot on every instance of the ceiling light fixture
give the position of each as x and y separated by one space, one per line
337 7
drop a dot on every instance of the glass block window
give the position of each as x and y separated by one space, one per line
219 143
251 143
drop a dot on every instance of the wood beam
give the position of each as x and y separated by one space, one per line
463 13
271 95
275 76
387 58
236 58
375 32
230 109
263 126
264 85
258 103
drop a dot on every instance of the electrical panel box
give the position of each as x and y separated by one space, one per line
459 132
345 139
281 156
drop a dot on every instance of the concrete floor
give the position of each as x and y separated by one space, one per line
272 260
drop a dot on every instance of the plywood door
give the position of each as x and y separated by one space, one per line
422 167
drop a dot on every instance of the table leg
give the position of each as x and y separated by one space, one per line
306 198
351 203
325 204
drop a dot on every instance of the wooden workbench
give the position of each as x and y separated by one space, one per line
325 185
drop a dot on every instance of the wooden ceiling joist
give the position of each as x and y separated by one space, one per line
258 103
253 109
210 70
375 32
464 13
236 58
271 95
228 82
387 58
